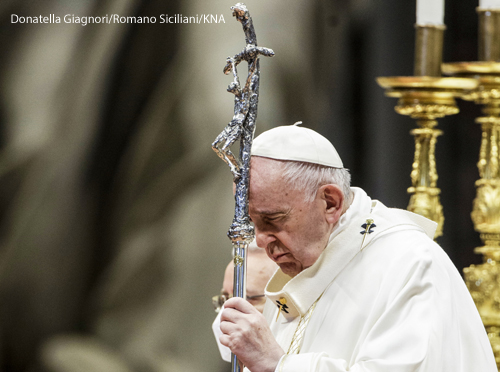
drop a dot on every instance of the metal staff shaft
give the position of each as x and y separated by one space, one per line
241 127
239 287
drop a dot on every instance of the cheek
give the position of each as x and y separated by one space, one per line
316 227
304 256
310 243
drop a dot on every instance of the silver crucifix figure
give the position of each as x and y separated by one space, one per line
241 127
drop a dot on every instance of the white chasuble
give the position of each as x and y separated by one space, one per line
390 300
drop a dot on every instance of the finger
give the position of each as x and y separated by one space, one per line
229 328
230 341
230 315
240 304
225 340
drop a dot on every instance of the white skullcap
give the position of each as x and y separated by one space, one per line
291 142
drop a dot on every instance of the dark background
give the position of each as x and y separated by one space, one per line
113 207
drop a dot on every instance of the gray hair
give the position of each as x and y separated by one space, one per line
309 177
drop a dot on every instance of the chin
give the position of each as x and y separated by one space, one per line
290 269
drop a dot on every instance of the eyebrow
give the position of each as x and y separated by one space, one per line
272 213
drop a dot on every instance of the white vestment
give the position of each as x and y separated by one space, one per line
391 303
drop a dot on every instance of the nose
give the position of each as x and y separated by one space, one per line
263 238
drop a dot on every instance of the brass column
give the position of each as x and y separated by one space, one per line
483 280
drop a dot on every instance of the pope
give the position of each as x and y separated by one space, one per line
360 287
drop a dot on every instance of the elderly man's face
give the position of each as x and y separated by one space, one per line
293 232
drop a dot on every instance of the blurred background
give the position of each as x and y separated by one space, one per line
113 206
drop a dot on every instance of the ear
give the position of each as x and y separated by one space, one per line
333 199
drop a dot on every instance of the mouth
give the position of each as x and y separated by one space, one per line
277 252
280 258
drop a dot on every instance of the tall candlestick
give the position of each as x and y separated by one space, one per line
482 280
489 4
431 12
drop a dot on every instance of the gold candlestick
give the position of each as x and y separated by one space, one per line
425 98
483 280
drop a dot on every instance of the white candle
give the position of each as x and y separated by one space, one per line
431 12
489 4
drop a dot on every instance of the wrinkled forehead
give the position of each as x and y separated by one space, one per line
264 172
268 166
269 193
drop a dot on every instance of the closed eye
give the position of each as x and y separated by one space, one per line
274 218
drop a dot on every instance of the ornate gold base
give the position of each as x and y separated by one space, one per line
483 284
482 281
494 336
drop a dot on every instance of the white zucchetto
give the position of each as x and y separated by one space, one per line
291 142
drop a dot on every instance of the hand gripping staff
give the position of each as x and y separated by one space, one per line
241 127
